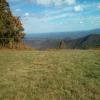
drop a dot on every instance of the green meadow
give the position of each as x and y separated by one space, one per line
50 75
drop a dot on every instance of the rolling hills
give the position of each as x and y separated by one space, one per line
86 42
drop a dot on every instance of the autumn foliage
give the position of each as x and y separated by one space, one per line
11 29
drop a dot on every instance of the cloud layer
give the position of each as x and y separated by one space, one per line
53 2
57 15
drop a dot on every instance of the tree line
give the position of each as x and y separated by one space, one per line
11 29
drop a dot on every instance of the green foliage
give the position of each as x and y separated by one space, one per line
10 26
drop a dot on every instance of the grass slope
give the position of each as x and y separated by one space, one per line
50 75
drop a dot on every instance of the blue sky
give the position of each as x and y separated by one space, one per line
39 16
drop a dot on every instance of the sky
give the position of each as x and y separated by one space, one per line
41 16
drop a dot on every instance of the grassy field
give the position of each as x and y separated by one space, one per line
50 75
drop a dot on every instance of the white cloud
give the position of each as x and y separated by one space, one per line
26 14
55 2
78 8
18 9
81 22
44 2
70 2
98 5
60 16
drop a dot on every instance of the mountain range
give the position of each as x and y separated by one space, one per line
71 40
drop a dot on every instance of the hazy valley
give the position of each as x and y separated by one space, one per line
72 40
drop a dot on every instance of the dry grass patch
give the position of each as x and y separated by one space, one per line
50 75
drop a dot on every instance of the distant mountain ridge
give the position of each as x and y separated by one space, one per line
86 41
61 35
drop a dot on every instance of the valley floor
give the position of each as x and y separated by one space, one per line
50 75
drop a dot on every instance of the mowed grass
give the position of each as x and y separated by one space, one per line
50 75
